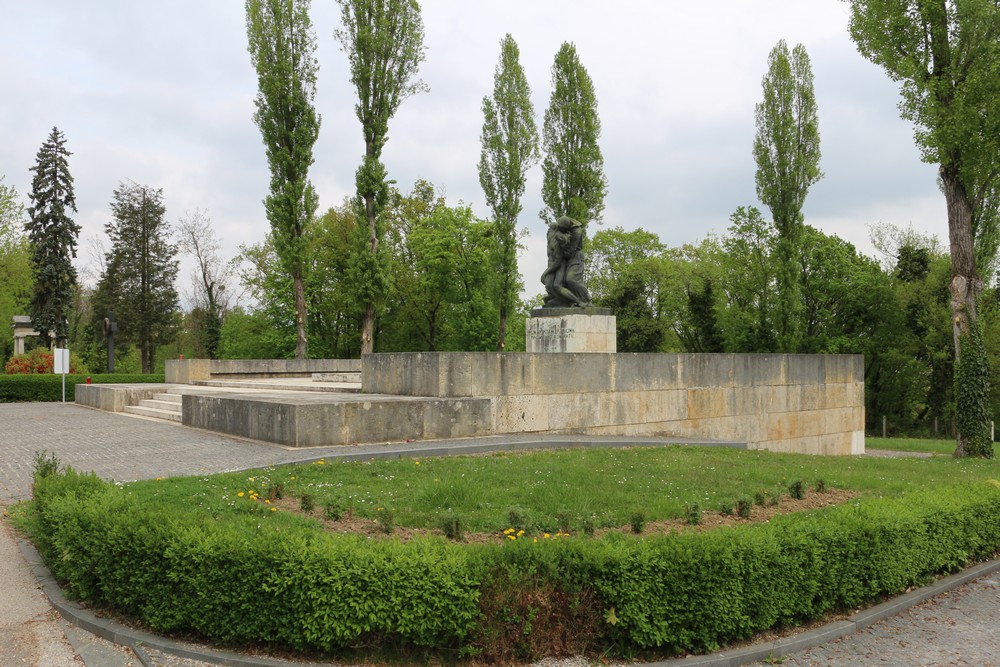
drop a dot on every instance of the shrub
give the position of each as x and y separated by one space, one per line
178 572
743 506
692 513
37 361
452 527
48 388
797 489
638 522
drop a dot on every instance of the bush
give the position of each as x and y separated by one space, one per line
183 573
36 361
48 388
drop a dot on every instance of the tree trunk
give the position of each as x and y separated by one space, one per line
368 319
965 282
301 342
502 342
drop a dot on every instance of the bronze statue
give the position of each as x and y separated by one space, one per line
563 279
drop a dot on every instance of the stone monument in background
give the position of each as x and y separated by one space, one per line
568 320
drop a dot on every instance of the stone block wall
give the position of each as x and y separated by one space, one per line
185 371
797 403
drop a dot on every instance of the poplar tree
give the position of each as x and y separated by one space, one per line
384 43
786 149
946 55
509 148
573 183
138 282
53 236
282 46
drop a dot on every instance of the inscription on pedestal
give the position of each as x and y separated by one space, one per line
571 333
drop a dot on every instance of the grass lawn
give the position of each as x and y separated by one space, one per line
549 489
945 447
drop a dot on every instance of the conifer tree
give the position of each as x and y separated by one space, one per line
53 236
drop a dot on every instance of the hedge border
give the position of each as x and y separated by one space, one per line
47 388
675 594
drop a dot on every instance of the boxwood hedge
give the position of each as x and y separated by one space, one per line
247 581
34 387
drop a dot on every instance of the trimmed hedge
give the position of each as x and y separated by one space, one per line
248 580
48 388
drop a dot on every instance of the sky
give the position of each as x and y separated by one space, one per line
161 93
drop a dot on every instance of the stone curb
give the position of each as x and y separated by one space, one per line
137 639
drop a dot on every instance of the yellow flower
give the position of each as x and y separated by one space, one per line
546 536
511 537
267 501
416 462
520 533
240 494
274 509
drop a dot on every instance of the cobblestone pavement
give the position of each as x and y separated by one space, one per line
956 628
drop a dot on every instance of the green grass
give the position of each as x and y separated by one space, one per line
945 447
545 490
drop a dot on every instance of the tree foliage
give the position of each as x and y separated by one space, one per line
138 282
196 238
281 45
384 43
573 183
509 148
786 149
53 236
946 55
15 265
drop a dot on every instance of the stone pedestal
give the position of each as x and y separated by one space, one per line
571 330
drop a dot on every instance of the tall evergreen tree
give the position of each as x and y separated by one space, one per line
786 149
384 42
509 148
574 183
282 44
946 55
140 272
53 236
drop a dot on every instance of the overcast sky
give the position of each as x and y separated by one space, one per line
162 93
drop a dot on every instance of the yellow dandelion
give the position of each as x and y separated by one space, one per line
520 533
240 494
546 536
274 509
416 462
267 501
511 537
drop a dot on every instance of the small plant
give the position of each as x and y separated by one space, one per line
46 464
638 522
726 508
333 511
563 518
275 491
307 503
692 513
743 506
760 498
820 486
517 518
385 519
797 489
452 527
588 526
774 499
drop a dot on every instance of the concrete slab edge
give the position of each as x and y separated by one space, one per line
136 639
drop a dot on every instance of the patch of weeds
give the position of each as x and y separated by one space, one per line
692 513
333 511
638 522
563 518
386 520
46 464
774 499
452 527
797 489
276 491
743 506
588 526
517 518
307 503
760 498
820 486
726 508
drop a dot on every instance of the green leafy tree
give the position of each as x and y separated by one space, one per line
750 276
384 42
509 148
946 55
573 182
333 317
786 149
15 266
140 272
265 280
281 45
53 236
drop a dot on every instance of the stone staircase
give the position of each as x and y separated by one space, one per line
166 407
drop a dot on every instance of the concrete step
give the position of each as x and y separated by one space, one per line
155 413
169 398
158 404
297 384
344 376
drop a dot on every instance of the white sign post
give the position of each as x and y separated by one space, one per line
60 361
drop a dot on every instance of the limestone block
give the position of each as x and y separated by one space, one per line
573 411
185 371
647 372
711 402
571 333
520 414
707 370
758 370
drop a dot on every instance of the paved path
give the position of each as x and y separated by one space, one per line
956 628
